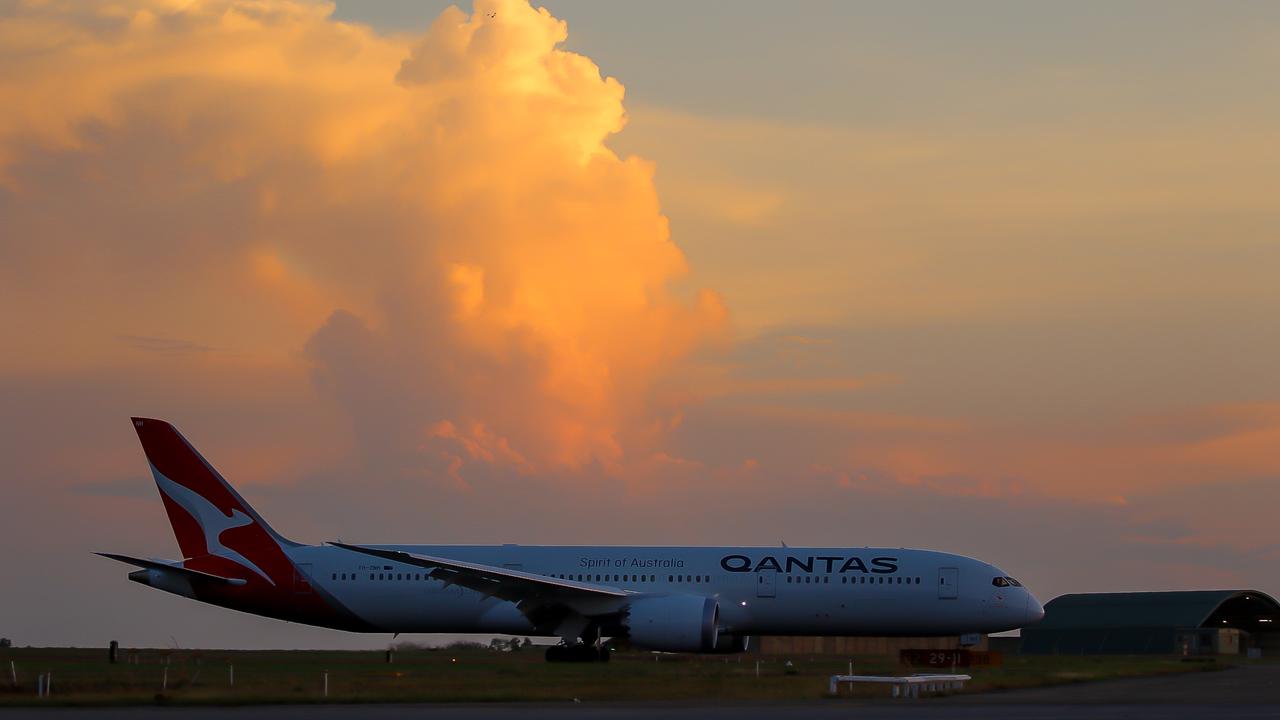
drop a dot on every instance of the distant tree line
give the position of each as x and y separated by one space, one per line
496 644
513 644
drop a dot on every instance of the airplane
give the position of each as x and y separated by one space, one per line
671 599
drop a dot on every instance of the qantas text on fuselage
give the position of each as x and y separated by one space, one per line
679 599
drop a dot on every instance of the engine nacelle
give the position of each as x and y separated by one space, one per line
673 623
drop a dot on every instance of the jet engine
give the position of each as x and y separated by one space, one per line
673 623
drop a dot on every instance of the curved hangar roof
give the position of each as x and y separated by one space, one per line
1244 609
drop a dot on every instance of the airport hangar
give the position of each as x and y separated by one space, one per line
1192 622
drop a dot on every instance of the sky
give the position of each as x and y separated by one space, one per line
997 279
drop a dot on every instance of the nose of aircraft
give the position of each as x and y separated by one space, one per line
1035 611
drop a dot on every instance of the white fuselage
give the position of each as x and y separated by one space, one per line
760 591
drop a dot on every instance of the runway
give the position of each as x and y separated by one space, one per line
646 711
1248 693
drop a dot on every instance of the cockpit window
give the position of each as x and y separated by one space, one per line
1013 582
1000 582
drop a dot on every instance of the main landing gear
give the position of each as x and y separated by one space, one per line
581 652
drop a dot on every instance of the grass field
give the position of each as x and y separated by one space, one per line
84 677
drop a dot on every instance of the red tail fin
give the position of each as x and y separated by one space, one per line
210 519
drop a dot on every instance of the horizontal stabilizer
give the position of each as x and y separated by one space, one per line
173 567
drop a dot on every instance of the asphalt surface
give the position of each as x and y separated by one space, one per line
1247 693
647 711
1256 685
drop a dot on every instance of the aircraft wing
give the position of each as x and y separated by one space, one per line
533 594
173 567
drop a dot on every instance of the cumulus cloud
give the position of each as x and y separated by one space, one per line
433 226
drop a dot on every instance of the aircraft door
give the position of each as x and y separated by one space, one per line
765 586
948 583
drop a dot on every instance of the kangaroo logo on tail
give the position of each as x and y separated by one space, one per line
212 521
203 508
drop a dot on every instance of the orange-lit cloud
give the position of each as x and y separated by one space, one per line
231 172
